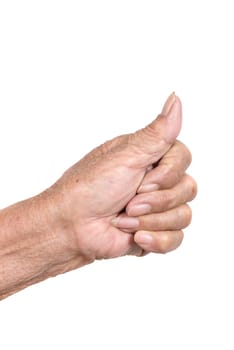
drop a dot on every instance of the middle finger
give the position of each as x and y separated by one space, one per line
160 201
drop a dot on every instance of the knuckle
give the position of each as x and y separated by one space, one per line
193 186
147 151
167 199
169 241
187 214
164 243
170 175
187 155
174 174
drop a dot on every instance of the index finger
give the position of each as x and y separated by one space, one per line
169 170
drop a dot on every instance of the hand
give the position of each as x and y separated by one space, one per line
162 213
95 190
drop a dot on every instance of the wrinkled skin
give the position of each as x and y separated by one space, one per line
104 185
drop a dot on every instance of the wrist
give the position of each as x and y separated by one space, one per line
68 205
35 244
59 230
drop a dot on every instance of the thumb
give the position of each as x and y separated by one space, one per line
155 139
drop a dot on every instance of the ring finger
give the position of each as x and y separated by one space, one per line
170 220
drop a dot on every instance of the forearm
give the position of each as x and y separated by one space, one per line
34 244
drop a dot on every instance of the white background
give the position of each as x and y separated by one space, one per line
76 73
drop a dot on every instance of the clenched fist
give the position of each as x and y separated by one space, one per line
128 196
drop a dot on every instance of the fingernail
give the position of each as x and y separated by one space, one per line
140 209
144 238
174 121
125 222
168 104
148 188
